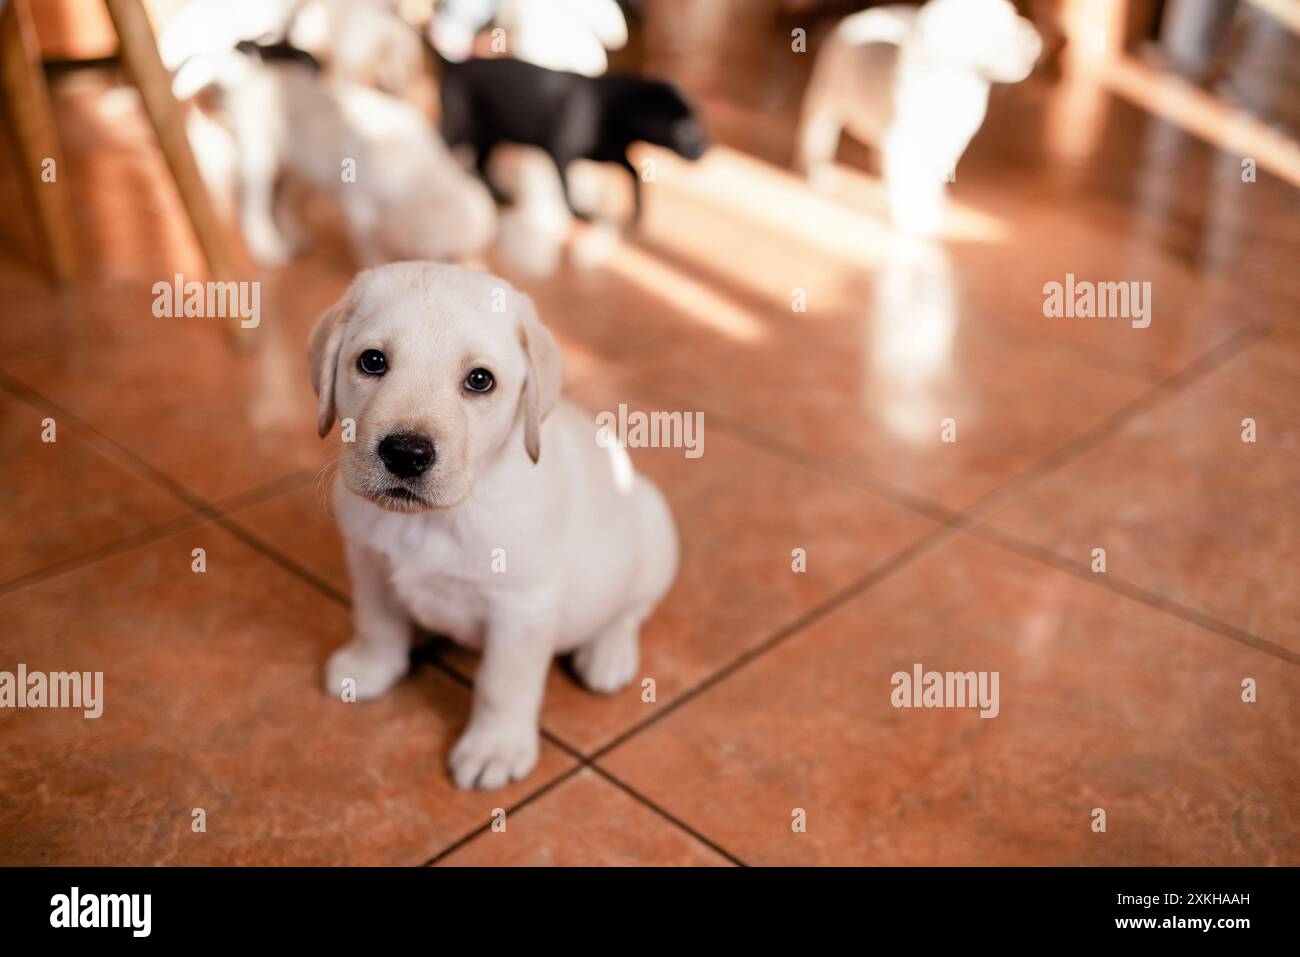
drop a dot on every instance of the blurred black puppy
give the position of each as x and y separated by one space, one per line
491 101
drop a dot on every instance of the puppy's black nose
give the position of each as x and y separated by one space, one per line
406 454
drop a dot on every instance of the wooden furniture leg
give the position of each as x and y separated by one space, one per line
140 53
27 107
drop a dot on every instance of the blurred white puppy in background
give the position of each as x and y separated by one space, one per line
202 27
362 41
915 84
478 504
570 35
402 193
367 41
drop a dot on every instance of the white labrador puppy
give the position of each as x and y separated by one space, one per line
915 84
477 504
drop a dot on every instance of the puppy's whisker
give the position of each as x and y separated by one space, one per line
324 481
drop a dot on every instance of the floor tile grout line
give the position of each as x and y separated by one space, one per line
199 513
106 445
199 508
193 518
513 809
144 470
929 540
137 539
1161 392
584 761
1126 589
846 473
1097 358
588 762
665 814
854 474
280 558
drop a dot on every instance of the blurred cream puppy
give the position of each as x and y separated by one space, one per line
402 193
367 41
364 41
915 84
477 504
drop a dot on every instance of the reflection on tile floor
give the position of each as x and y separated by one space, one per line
1119 690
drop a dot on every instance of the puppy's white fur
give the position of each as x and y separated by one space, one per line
370 44
570 35
915 84
564 34
409 198
363 41
525 539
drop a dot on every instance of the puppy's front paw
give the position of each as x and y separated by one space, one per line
374 670
491 757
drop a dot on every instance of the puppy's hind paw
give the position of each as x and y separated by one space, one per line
609 662
490 758
372 671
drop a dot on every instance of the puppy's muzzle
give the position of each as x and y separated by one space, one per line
406 454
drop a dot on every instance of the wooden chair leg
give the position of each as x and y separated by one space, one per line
140 52
27 101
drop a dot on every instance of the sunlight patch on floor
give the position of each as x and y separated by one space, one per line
780 201
685 294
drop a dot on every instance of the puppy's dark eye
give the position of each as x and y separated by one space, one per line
372 362
480 380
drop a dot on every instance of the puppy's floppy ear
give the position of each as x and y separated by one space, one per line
323 355
545 372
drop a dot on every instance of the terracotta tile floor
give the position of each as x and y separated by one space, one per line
1119 690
